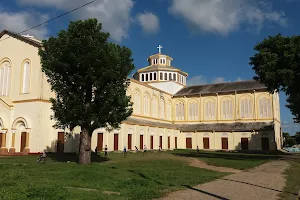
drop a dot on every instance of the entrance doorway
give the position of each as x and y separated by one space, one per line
160 142
175 142
188 143
205 143
129 141
100 142
244 143
116 142
60 142
265 143
151 142
224 143
141 142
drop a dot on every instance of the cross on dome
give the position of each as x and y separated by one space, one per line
159 49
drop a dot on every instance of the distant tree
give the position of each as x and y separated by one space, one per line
288 140
89 77
277 65
297 137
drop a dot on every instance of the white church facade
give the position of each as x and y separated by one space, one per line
166 112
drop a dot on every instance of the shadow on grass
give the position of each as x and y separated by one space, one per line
73 157
144 176
228 155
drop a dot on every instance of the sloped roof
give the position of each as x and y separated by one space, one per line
237 126
228 127
220 87
22 38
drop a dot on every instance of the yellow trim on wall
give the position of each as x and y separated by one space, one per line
32 100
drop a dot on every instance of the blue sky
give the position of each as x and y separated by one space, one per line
212 40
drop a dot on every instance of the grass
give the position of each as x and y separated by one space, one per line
292 181
234 160
133 177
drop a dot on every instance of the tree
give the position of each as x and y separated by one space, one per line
288 140
297 137
89 77
277 65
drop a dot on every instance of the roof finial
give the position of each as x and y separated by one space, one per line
159 49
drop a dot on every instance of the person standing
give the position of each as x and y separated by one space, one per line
145 150
124 151
105 150
136 149
96 150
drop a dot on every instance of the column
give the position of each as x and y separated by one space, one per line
27 149
12 149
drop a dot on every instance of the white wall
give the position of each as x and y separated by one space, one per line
169 87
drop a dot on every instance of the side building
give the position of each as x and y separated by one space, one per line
166 112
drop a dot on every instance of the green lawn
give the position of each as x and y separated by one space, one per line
234 160
134 177
292 181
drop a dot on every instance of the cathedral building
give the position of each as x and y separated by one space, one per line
166 112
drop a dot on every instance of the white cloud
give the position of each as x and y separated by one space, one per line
219 80
223 17
197 80
149 22
238 79
201 80
113 14
20 21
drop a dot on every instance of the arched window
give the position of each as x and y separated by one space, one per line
265 107
154 76
246 108
143 77
162 108
210 110
26 78
154 107
174 77
169 111
170 76
193 111
137 102
161 76
227 109
147 105
146 77
5 74
180 115
166 76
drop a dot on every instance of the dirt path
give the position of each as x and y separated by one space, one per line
263 182
201 164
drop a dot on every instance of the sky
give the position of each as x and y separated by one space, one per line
211 40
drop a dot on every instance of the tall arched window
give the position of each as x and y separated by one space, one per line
265 107
154 76
210 110
26 78
154 107
147 105
246 108
137 102
166 76
180 115
170 76
162 108
5 74
193 111
169 111
227 109
161 76
174 77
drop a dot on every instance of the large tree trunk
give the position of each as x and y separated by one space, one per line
85 147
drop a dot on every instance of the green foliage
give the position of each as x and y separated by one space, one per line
289 140
297 137
277 65
88 75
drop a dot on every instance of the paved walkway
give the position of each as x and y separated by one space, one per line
263 182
